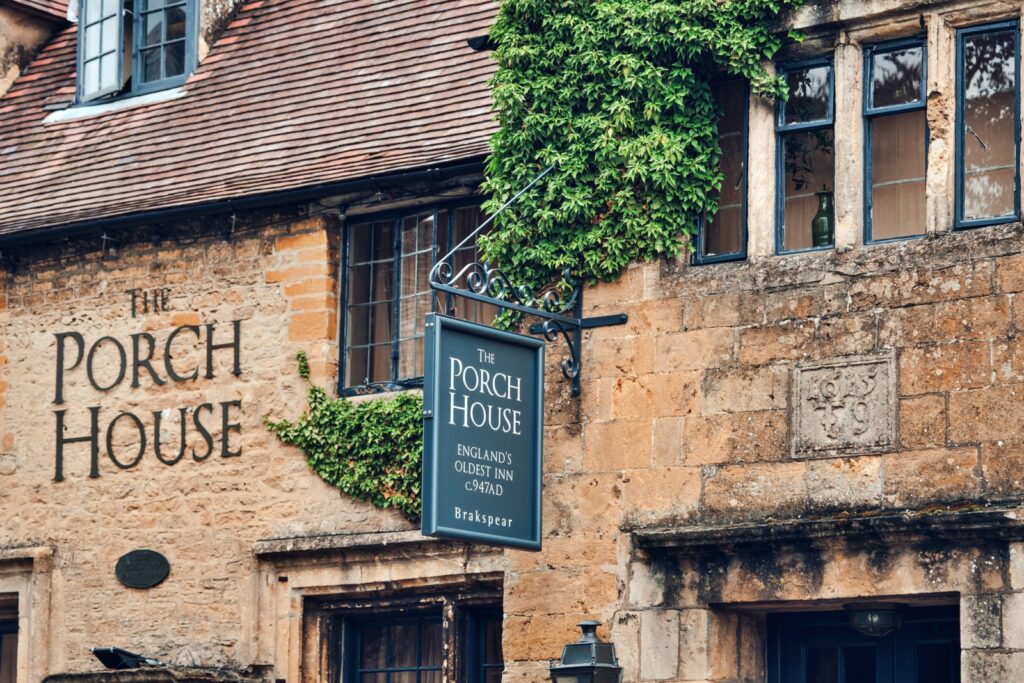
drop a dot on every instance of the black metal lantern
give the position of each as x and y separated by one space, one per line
588 660
875 619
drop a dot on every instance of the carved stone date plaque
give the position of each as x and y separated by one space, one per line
845 404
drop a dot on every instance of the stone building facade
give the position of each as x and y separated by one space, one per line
776 440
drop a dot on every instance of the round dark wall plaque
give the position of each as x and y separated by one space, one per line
142 569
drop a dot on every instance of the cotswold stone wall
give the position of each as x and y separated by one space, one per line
741 399
203 504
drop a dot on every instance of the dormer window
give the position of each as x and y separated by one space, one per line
134 46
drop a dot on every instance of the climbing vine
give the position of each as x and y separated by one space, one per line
371 450
616 94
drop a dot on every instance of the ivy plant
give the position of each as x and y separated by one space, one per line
616 94
371 450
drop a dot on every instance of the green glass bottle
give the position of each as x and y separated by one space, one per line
823 223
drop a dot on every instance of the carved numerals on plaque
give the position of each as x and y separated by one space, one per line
844 404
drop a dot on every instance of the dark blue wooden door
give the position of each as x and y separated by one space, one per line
822 648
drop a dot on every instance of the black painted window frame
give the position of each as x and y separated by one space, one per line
872 112
396 216
464 639
699 255
135 87
782 129
8 627
960 223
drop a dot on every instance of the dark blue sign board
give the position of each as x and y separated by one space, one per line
483 418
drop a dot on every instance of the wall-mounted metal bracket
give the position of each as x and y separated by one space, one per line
562 311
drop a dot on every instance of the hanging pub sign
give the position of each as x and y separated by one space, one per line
483 429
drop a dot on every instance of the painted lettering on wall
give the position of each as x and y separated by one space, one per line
107 363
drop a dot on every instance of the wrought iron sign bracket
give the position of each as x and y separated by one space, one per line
562 312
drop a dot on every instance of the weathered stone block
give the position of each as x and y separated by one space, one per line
981 621
742 390
845 335
755 490
1017 566
920 477
724 645
616 445
659 645
662 493
1002 465
983 666
693 644
664 395
736 437
782 341
930 369
845 483
648 317
668 447
922 421
1010 274
731 309
978 318
625 633
985 414
844 404
694 350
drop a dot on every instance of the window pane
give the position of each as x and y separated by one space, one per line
151 64
92 11
8 657
896 77
492 642
373 647
809 94
898 175
381 274
111 7
92 76
380 363
375 678
431 645
108 71
359 243
492 676
430 676
174 59
859 664
404 677
403 646
466 221
410 358
153 4
934 662
990 83
175 22
380 322
809 162
92 41
822 665
154 32
723 232
356 368
110 34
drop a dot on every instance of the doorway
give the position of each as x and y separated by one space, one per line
822 647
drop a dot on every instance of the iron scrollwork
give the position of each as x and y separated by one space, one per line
561 310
